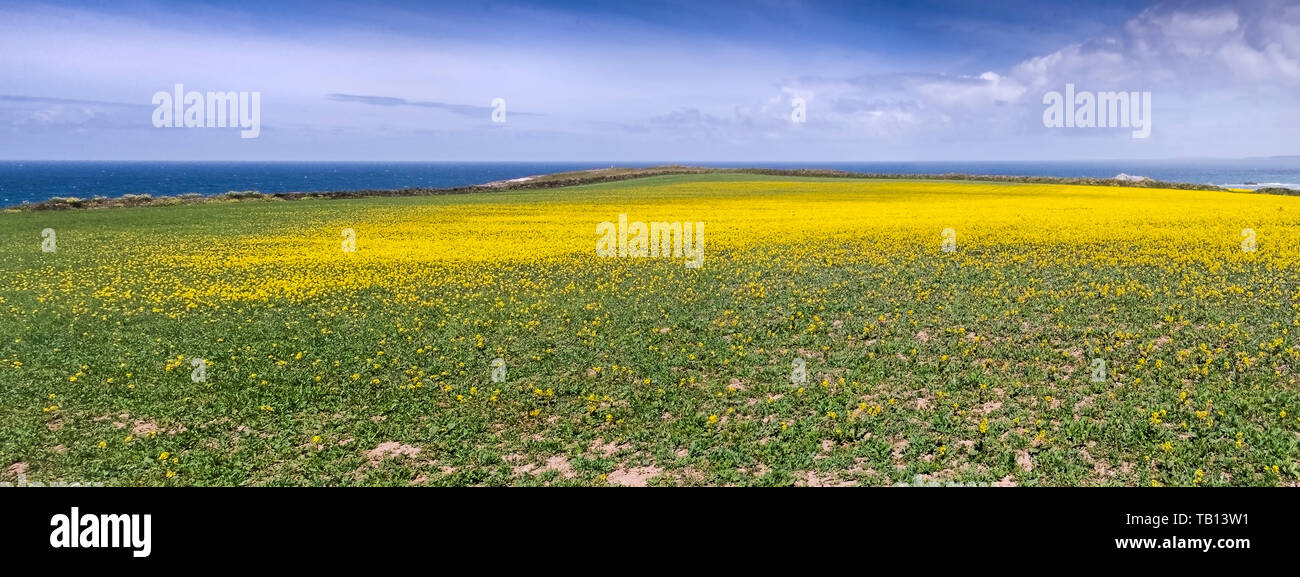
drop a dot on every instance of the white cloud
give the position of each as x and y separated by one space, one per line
1224 78
1216 73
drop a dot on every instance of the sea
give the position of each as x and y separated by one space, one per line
35 181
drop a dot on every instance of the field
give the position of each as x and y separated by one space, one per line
1074 335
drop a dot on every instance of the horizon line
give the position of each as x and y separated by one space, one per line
662 162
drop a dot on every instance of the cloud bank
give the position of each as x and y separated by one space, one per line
400 83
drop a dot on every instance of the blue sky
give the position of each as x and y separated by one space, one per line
673 81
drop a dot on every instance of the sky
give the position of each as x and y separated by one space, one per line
720 81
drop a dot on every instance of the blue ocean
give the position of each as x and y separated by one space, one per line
35 181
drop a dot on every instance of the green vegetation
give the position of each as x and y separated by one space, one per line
325 367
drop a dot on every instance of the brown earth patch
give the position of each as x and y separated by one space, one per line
1083 403
899 446
16 469
1024 460
390 450
605 449
557 463
633 477
815 479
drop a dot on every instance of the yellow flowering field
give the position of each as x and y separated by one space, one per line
837 332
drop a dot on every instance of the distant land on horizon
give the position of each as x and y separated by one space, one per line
36 181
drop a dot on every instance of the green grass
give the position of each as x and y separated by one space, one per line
615 367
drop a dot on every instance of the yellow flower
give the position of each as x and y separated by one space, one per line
163 456
713 419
